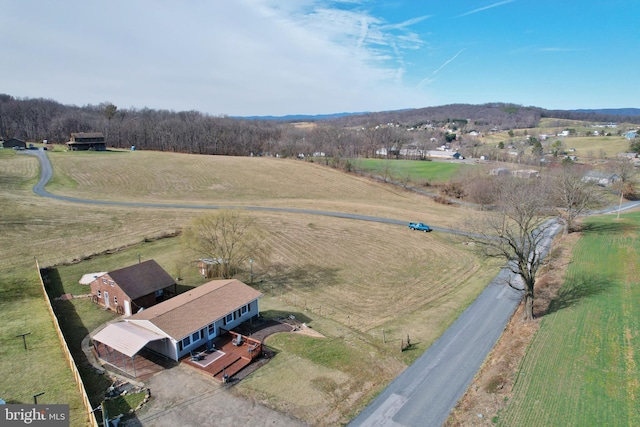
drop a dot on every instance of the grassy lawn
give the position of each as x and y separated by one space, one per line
583 366
41 368
416 170
595 146
121 405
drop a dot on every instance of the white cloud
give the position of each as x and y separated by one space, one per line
240 57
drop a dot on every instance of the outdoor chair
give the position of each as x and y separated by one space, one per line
196 356
238 340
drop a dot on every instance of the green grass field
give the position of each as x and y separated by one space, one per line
416 170
582 368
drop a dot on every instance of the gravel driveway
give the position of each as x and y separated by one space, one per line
183 396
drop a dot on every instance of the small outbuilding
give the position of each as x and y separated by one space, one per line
14 143
132 288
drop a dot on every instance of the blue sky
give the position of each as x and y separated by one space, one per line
277 57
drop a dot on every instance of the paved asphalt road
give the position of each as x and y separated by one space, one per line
426 392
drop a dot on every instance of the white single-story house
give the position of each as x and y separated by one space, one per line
183 323
438 154
382 152
526 173
601 178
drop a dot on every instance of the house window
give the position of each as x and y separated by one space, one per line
115 300
186 341
195 336
229 317
99 293
244 309
104 281
112 283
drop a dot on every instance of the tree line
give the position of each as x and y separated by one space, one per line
358 135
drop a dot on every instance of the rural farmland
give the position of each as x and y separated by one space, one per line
344 272
582 366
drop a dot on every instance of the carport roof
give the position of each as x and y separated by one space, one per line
126 338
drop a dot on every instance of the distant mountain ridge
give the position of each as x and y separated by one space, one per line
611 111
472 111
301 117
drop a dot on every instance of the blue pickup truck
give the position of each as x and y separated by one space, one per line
419 226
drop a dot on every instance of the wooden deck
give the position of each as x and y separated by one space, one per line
227 358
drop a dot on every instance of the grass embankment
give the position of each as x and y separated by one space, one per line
355 278
582 368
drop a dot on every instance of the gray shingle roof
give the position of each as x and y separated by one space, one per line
198 307
142 279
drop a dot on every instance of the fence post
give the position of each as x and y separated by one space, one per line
384 338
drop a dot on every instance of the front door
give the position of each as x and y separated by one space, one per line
127 307
106 299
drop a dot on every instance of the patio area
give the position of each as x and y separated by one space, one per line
231 353
140 367
228 357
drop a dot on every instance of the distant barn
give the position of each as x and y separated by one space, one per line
83 141
14 143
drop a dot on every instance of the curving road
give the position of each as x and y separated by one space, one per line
426 392
46 172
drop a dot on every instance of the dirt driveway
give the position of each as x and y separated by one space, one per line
182 396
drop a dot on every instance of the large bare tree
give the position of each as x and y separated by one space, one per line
516 232
228 237
572 194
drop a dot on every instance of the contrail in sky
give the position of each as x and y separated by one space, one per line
500 3
447 62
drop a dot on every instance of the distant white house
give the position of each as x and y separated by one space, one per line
604 179
526 173
450 155
563 133
411 150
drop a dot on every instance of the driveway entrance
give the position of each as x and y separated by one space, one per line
184 396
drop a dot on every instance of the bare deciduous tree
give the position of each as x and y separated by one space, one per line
572 194
516 233
228 237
